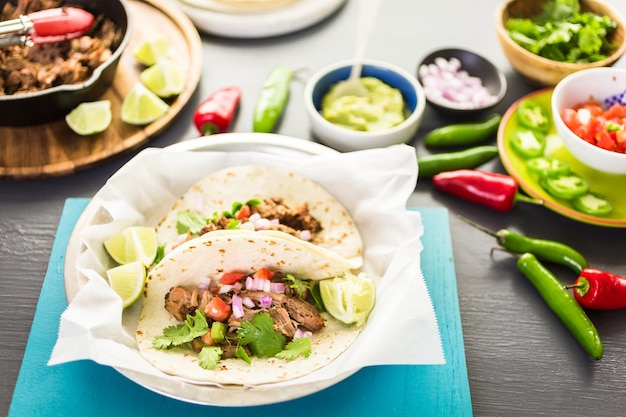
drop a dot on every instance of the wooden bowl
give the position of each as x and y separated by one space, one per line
542 71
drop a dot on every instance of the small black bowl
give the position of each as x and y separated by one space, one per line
475 65
55 102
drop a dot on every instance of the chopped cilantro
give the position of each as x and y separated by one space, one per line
297 285
260 337
194 326
297 347
562 32
209 356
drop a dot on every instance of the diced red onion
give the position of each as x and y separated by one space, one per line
237 305
248 302
266 301
277 287
275 222
305 235
254 216
261 224
224 288
446 84
302 334
204 283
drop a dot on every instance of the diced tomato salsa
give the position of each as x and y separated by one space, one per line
603 128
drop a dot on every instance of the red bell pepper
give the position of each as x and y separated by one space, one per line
595 289
216 113
494 190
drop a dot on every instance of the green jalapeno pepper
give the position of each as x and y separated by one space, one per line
593 204
567 186
547 167
546 250
532 115
431 165
463 133
272 99
527 143
562 303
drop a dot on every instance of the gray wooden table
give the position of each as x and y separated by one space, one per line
521 361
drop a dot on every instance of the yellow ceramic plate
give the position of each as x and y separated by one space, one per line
610 185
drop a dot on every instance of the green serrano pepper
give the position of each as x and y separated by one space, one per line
463 133
546 250
562 302
272 99
431 165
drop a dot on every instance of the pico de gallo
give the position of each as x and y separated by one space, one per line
603 128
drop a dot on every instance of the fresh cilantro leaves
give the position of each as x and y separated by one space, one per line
563 33
297 347
190 221
209 356
298 285
193 326
260 337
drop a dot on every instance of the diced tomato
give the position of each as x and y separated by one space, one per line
594 107
244 212
229 278
263 273
616 111
217 309
605 141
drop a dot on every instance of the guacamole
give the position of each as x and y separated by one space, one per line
381 109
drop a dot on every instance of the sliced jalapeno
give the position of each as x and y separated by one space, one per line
528 143
463 133
593 204
547 167
567 186
562 302
546 250
431 165
533 115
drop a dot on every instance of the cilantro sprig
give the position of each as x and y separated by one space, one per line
193 221
194 326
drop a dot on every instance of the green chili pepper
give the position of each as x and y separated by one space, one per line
546 250
463 133
272 99
567 186
562 303
533 115
527 143
431 165
593 204
547 167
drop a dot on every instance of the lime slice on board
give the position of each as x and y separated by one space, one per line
133 244
127 281
349 299
141 106
90 117
166 78
151 50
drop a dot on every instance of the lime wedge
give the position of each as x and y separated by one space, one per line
349 299
141 106
133 244
151 50
127 281
166 78
90 117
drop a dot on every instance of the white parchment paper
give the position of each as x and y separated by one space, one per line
373 184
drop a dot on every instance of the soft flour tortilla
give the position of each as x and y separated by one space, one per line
239 6
218 191
235 250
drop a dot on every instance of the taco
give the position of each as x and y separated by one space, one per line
271 329
260 197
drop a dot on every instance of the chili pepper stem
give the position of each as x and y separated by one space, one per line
526 199
477 226
581 286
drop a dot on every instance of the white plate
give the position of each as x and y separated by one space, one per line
180 390
293 17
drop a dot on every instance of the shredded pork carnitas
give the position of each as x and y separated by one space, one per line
27 69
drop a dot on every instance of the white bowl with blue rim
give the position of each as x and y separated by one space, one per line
344 139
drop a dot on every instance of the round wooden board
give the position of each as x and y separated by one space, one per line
52 149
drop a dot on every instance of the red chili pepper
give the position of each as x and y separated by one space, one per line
595 289
492 189
216 113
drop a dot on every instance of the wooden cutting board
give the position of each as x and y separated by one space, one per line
52 149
